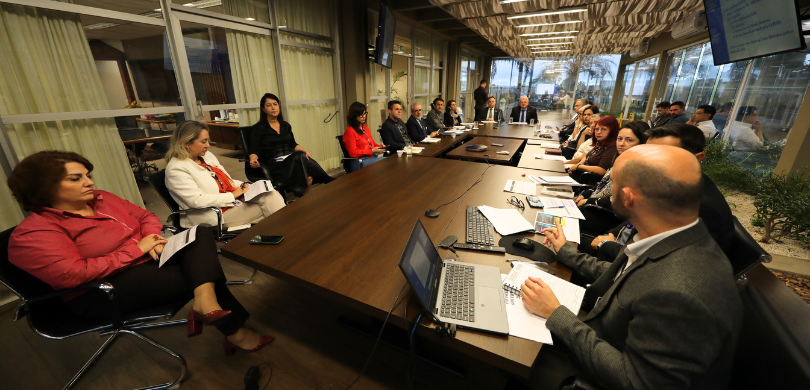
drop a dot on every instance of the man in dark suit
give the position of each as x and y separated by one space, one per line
490 113
417 128
393 132
663 114
678 112
522 112
666 313
714 210
480 97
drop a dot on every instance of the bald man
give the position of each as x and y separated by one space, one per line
666 313
523 112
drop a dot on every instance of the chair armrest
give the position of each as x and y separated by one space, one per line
598 207
22 309
217 210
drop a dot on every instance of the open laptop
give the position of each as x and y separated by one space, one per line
468 295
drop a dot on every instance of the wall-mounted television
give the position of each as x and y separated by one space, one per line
386 29
746 29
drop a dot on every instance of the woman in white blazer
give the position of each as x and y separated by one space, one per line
195 178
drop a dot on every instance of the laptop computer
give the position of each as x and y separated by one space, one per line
468 295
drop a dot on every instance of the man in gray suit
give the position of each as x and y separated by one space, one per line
667 313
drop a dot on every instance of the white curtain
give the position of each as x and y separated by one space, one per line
309 75
314 16
47 67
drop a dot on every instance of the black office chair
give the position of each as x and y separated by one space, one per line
261 173
158 181
49 317
745 252
346 160
768 355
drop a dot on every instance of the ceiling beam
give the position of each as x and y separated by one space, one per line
462 33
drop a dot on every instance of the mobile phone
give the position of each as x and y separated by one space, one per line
266 240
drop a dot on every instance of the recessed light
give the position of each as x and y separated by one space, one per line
282 26
549 24
157 10
188 5
550 51
549 44
249 19
550 12
548 33
550 38
510 1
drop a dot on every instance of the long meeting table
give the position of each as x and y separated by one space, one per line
349 254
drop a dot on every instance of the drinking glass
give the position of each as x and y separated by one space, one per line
531 122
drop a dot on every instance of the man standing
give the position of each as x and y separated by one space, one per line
678 112
491 113
417 128
523 113
702 118
393 132
663 114
668 314
480 97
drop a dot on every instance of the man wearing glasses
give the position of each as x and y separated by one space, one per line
417 128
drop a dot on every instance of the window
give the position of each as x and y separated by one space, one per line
638 80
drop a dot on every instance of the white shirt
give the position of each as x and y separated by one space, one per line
707 127
743 137
637 248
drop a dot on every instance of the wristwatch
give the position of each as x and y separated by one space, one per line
599 246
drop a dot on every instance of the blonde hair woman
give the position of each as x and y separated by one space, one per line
195 179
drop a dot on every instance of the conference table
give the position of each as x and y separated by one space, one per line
529 160
349 255
490 155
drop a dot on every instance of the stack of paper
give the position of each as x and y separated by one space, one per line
550 145
506 221
534 142
549 157
561 207
488 122
430 140
557 181
521 187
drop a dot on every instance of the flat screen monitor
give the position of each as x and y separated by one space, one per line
386 28
745 29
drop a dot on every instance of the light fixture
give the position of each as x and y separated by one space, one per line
548 33
99 26
549 24
550 12
203 3
549 44
282 26
550 38
157 10
249 19
550 51
510 1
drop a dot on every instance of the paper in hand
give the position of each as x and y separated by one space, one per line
177 242
258 188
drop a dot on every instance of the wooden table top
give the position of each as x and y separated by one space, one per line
223 124
510 145
527 160
446 143
154 121
349 254
140 136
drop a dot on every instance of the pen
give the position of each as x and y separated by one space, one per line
583 191
554 207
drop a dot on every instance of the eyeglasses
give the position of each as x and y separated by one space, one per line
516 202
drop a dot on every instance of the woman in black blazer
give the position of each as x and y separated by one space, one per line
273 143
451 118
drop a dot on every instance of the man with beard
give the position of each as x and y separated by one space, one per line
666 314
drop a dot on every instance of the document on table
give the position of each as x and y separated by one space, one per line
534 141
258 188
561 207
177 242
557 180
430 140
549 145
522 322
570 295
549 157
506 221
521 187
488 122
570 226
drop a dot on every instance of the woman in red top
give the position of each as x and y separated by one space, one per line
76 235
358 141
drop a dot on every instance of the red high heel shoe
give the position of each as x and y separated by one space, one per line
230 348
196 320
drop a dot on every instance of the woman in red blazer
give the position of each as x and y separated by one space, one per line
358 140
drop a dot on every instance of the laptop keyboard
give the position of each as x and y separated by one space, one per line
458 298
479 229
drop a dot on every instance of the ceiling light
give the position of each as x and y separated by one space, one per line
549 24
157 10
282 26
550 38
548 33
550 51
249 19
550 12
99 26
510 1
549 44
203 3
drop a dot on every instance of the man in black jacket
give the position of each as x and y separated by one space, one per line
480 97
664 116
523 112
714 210
491 113
417 128
393 132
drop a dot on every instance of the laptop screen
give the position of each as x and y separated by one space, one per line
421 264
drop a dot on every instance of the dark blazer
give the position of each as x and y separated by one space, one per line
449 121
671 320
391 137
566 131
531 113
480 97
661 120
269 144
417 129
485 111
679 119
